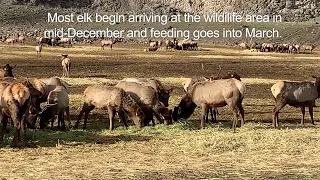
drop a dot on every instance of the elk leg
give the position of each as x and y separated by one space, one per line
80 115
111 112
61 121
204 110
23 133
241 110
86 108
311 113
52 121
123 119
68 117
152 122
236 117
280 103
303 111
4 121
65 71
213 113
17 127
207 114
16 137
86 114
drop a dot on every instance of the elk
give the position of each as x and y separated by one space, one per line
212 94
108 43
147 98
296 94
162 89
116 100
66 64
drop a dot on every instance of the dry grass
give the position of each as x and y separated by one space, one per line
179 151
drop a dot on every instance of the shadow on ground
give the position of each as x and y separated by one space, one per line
53 138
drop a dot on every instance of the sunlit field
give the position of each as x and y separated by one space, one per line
178 151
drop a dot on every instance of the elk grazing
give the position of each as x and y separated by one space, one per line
108 43
43 87
147 98
21 39
169 44
66 64
212 94
162 89
243 45
153 44
268 47
55 41
57 104
115 100
64 41
291 49
189 82
43 40
194 45
297 47
296 94
151 49
10 40
308 47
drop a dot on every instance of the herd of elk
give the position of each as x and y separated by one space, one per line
279 47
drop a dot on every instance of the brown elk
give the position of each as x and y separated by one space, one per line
116 100
66 65
296 94
148 98
213 94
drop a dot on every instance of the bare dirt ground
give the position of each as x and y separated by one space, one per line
178 151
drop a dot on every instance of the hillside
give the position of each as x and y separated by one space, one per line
292 10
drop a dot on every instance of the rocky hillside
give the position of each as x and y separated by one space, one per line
292 10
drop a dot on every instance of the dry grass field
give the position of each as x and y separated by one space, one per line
178 151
